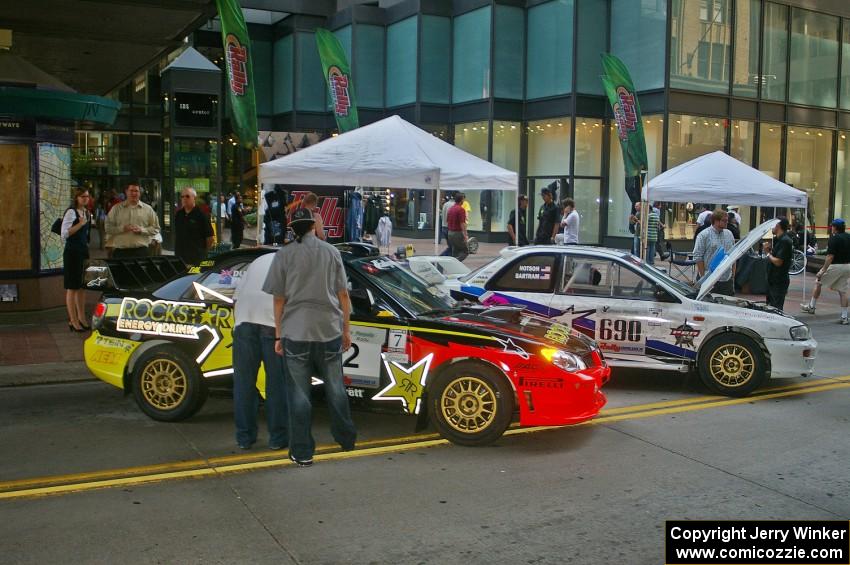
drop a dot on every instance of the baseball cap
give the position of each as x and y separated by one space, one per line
838 222
302 215
545 190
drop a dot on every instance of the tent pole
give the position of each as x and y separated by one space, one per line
646 210
437 217
805 246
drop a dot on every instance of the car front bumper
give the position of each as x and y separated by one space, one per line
569 398
790 358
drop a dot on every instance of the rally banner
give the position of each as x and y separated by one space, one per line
623 98
338 77
240 74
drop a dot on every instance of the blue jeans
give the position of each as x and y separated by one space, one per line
650 252
253 343
304 360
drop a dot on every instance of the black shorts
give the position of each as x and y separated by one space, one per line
74 267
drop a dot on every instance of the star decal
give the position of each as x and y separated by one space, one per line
207 317
406 383
511 347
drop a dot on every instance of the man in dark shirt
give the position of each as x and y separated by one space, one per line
519 237
779 258
457 223
193 233
835 273
547 218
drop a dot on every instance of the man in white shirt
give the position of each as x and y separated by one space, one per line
254 341
570 221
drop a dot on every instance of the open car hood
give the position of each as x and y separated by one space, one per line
706 284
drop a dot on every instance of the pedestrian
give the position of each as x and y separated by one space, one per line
734 226
660 246
254 342
193 234
131 225
634 228
520 236
75 231
311 310
652 222
444 226
708 243
570 221
311 202
457 221
231 202
237 222
779 261
835 272
547 219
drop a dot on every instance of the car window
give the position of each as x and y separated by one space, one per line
224 278
357 306
586 276
529 273
175 289
630 285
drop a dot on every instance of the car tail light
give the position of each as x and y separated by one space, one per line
98 314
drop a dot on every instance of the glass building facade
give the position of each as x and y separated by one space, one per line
517 83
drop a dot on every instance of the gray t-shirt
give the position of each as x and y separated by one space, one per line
308 275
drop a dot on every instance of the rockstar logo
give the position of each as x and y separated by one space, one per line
406 384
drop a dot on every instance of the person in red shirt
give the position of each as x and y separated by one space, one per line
457 221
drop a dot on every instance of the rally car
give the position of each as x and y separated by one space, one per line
414 350
641 317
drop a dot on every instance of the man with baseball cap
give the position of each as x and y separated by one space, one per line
835 272
518 235
547 219
311 310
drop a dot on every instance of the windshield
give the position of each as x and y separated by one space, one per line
680 287
409 290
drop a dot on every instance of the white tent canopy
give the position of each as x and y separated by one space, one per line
391 153
719 178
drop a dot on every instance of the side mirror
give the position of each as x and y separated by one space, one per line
661 295
362 300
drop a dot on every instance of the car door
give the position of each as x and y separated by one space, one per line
376 329
215 289
528 280
604 299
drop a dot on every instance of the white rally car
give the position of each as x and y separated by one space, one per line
643 318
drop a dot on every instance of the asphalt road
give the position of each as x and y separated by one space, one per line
84 477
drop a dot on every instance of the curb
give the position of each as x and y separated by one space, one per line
44 373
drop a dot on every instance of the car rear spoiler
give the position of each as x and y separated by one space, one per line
141 274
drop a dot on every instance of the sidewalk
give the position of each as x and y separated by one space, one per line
39 348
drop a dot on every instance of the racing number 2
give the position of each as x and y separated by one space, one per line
619 330
349 361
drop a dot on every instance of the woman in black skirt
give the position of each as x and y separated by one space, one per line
237 222
76 225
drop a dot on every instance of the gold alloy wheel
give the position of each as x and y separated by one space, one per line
164 384
732 365
469 404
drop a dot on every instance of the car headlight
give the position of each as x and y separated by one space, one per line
563 359
801 333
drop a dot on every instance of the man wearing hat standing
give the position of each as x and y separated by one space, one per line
547 219
835 272
311 312
779 257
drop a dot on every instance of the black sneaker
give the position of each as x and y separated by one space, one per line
301 462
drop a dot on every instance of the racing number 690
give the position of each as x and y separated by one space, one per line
619 330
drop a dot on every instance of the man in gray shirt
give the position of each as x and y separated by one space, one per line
708 243
312 308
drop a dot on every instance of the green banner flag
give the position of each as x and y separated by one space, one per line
623 98
240 74
338 77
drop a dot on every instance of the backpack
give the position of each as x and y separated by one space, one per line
57 225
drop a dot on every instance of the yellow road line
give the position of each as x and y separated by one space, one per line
240 463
